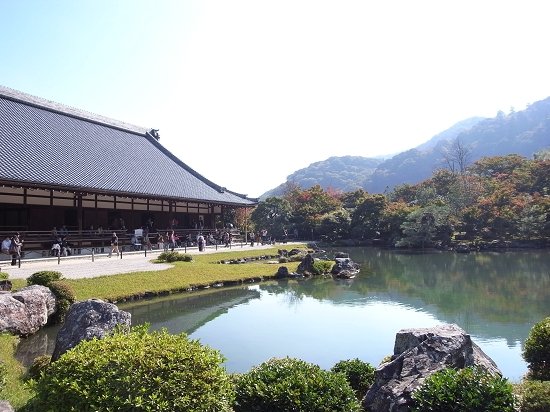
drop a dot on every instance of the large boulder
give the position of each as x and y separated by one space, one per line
86 320
306 265
418 353
24 312
344 264
6 407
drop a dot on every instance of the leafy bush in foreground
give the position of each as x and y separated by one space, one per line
44 277
174 257
468 389
537 350
359 374
288 385
534 396
138 371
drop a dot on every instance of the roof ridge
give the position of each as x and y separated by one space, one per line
54 106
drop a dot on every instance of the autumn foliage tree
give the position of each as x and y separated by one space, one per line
501 197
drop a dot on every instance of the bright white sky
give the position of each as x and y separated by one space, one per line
247 92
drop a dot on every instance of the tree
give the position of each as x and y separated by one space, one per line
335 225
309 206
391 219
497 165
273 214
350 200
365 220
424 226
456 156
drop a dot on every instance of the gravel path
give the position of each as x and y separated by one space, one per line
78 267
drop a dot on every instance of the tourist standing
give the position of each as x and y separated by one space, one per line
173 240
114 244
15 248
166 241
200 242
160 242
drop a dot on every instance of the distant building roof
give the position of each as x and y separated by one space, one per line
45 143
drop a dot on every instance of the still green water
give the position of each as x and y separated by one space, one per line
495 297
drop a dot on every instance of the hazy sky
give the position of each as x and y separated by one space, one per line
247 92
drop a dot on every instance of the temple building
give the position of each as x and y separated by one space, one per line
64 166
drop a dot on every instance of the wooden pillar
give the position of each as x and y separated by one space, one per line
79 212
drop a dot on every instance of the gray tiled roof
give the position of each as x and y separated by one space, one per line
45 143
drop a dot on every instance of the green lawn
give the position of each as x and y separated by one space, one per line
203 270
15 391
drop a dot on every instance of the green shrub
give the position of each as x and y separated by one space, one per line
3 276
359 374
3 376
286 385
64 296
174 257
39 364
136 371
321 267
537 350
468 389
44 277
534 396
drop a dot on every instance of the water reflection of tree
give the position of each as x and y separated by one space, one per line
320 288
497 289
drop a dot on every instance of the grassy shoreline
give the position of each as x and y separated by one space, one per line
204 271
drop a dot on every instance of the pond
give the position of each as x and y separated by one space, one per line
495 297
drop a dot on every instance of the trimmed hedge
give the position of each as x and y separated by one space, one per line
137 371
44 277
468 389
289 385
359 374
537 350
534 396
321 267
174 257
64 297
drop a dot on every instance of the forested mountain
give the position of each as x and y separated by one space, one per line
344 173
524 132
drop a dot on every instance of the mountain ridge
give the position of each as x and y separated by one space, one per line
523 132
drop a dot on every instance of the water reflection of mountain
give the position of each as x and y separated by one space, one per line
490 295
186 313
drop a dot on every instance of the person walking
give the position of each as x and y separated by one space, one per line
114 244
